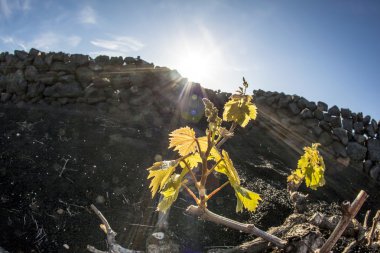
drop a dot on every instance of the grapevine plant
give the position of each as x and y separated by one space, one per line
204 153
310 168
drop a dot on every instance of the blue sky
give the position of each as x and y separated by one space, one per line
323 50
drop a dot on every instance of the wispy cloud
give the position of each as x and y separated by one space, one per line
107 52
54 41
120 45
8 7
7 40
44 41
87 15
13 41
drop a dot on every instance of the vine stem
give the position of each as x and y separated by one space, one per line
202 184
192 175
232 129
199 147
206 214
217 190
213 167
191 193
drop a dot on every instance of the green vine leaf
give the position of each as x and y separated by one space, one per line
240 109
170 193
160 173
171 190
227 168
192 161
183 140
246 199
310 168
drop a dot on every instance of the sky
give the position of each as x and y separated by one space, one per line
325 50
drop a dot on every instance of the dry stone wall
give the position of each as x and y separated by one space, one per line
349 137
125 86
145 94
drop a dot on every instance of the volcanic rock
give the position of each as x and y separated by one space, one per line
374 149
356 151
334 111
63 90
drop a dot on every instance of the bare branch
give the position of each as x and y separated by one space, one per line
247 228
329 223
113 247
110 233
365 223
350 246
349 212
373 228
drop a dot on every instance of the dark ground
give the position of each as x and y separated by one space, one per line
44 208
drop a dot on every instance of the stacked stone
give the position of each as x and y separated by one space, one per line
115 84
351 138
146 93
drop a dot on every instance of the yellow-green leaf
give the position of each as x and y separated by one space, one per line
296 177
240 109
214 155
227 167
252 110
192 161
160 173
314 177
310 167
170 193
183 140
203 143
246 199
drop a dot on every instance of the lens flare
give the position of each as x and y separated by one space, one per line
190 102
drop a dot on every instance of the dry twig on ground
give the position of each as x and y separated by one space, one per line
349 212
113 246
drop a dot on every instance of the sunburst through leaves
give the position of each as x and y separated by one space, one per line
203 154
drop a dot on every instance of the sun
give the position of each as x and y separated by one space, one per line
196 65
198 56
